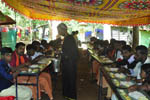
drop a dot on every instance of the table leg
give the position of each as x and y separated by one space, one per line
16 88
37 81
90 63
92 70
55 81
100 97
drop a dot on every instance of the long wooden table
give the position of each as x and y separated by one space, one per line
35 72
101 59
117 88
106 74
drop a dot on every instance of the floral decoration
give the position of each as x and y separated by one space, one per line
136 4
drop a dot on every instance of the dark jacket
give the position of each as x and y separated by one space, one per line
6 77
69 49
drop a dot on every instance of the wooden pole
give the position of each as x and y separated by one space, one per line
50 29
135 37
43 34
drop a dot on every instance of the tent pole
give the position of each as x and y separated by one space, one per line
16 27
135 42
15 19
50 29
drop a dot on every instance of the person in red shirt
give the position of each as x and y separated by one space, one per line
20 62
18 56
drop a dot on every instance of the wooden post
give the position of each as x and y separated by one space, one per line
135 42
43 34
50 29
34 33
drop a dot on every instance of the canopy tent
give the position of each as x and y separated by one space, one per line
116 12
5 20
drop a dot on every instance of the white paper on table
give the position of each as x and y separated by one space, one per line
113 69
105 59
109 61
23 71
41 62
34 66
137 95
121 75
126 83
102 56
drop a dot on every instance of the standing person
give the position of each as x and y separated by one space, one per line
75 35
69 63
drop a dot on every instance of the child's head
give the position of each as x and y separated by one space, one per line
126 51
44 43
145 71
141 53
37 45
30 50
20 48
6 53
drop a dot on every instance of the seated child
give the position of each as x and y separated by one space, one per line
7 87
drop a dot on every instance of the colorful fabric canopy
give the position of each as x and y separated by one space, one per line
116 12
5 20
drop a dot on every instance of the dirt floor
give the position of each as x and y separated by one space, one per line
87 89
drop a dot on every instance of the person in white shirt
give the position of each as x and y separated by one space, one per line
128 59
119 55
118 46
32 55
43 44
124 65
45 81
142 58
145 75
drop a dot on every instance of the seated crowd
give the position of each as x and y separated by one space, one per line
134 63
13 62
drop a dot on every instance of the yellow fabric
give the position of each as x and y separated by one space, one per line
108 12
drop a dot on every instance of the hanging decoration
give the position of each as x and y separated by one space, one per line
5 29
115 12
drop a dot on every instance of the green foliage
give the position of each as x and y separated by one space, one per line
121 29
74 25
145 38
21 20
